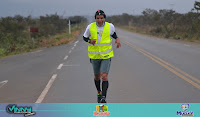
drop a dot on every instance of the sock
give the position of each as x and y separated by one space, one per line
97 84
104 88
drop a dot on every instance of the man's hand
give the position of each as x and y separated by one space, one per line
93 41
118 43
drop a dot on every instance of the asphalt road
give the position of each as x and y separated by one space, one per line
144 70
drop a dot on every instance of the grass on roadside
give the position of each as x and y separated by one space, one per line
30 45
148 31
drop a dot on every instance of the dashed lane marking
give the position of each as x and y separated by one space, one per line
65 57
60 66
3 83
46 89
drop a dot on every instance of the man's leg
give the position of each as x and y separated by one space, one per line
105 83
104 70
96 69
97 82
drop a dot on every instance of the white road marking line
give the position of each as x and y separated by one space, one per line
76 42
65 57
60 66
72 48
3 83
71 65
46 89
74 45
70 51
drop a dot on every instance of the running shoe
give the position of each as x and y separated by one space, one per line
103 99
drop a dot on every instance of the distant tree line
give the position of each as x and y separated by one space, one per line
167 23
15 31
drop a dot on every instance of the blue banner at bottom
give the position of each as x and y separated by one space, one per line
99 110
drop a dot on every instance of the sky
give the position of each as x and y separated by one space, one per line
89 7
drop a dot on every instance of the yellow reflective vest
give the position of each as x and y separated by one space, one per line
103 49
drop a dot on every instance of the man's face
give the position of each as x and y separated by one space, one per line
100 19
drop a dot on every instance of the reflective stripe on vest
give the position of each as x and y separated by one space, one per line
103 52
102 49
100 44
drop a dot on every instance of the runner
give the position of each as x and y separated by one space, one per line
98 35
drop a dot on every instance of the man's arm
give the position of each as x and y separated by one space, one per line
114 35
91 41
86 34
86 39
117 41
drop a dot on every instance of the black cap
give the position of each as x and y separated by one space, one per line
100 12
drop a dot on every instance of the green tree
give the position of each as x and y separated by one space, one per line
197 6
